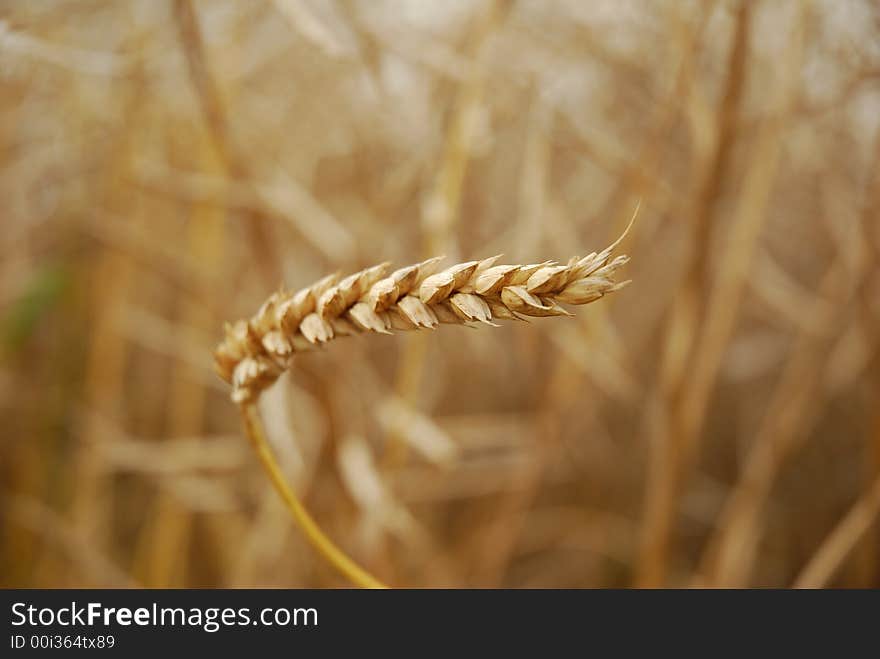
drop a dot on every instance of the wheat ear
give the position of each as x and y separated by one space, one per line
256 352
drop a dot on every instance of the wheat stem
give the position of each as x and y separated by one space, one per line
316 537
845 536
257 350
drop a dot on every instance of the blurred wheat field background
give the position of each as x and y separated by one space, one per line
166 165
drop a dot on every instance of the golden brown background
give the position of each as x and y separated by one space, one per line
165 165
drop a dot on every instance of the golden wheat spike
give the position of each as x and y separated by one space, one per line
255 352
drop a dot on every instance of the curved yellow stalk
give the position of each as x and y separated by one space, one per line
316 537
